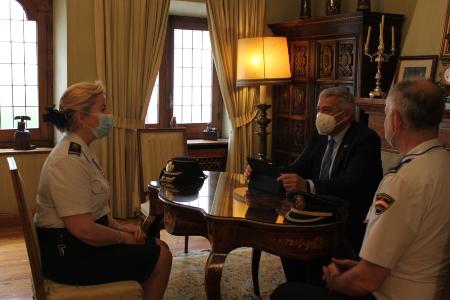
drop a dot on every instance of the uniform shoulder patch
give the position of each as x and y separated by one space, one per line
74 148
382 203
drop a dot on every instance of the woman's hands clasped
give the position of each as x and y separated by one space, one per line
133 233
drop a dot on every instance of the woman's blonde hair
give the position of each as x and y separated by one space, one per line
78 97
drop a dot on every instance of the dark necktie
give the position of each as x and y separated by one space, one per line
326 161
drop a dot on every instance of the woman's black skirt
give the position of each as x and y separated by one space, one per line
66 259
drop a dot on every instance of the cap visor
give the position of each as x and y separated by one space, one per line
297 218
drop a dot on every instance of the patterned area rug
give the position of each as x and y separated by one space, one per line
187 276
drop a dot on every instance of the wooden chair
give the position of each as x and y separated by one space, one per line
155 148
44 288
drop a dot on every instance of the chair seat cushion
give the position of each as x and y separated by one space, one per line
121 290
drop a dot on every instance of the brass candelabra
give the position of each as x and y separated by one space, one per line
380 56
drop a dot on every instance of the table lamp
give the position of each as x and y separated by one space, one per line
262 61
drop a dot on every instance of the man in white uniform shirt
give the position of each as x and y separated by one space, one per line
406 248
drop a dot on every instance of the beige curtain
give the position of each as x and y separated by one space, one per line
129 37
229 20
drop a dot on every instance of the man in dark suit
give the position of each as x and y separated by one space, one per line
342 159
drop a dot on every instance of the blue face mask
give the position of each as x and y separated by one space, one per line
105 124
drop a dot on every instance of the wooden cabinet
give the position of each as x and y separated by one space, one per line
212 155
325 52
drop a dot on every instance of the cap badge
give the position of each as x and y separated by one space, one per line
170 166
299 202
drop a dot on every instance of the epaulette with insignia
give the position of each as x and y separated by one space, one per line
74 148
408 158
398 166
382 203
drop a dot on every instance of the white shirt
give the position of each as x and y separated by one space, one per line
337 143
71 183
408 231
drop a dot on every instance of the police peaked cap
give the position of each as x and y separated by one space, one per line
314 209
182 170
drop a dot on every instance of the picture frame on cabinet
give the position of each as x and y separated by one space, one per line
423 66
445 45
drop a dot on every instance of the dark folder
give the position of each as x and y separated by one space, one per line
264 176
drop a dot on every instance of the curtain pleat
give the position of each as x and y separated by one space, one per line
229 20
129 37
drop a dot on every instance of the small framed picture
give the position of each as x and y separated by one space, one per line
416 67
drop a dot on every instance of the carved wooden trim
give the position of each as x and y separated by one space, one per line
326 52
346 59
300 59
298 99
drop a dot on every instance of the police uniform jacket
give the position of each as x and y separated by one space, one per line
71 183
408 225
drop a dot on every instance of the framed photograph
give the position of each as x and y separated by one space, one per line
416 66
445 45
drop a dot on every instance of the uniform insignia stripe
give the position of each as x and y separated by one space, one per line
382 203
74 148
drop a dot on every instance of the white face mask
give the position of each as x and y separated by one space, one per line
325 124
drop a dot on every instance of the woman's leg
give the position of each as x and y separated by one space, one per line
155 286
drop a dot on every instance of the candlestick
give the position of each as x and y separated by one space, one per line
393 39
381 31
366 45
380 56
381 36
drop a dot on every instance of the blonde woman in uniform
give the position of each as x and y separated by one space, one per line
80 242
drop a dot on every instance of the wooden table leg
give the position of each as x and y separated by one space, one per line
186 243
213 275
256 257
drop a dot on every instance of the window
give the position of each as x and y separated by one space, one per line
152 112
187 86
25 68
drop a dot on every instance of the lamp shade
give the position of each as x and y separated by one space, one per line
262 60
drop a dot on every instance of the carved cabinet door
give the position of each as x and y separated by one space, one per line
300 59
289 126
291 108
326 59
346 59
336 61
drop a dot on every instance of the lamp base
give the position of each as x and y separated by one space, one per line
263 121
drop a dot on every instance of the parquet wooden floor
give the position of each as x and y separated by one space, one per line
15 273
